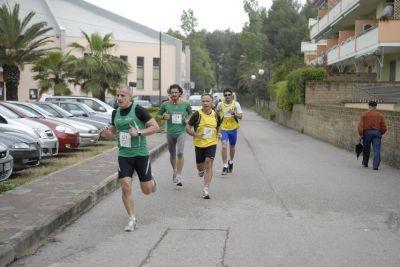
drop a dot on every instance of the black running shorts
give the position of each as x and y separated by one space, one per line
205 152
140 164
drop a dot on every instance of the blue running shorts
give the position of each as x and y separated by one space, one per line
229 135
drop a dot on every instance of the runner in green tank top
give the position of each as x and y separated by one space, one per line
131 124
175 112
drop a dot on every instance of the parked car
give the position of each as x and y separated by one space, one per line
9 119
25 149
82 110
95 103
68 136
61 113
195 102
144 103
6 162
88 134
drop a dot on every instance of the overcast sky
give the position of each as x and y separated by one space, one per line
161 15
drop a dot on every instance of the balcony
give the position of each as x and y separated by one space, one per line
341 16
385 34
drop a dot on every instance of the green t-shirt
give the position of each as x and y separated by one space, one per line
177 114
130 146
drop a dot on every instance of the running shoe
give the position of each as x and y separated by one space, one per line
179 181
224 170
230 166
206 195
131 225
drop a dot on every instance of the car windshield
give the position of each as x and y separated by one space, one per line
8 114
195 102
56 110
25 111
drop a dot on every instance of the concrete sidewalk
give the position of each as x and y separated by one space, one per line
31 212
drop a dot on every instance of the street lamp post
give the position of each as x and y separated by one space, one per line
253 77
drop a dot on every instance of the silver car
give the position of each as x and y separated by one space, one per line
88 134
47 137
6 162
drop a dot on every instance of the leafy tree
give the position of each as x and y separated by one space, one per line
253 42
188 22
224 48
98 71
283 22
200 64
309 10
19 45
53 72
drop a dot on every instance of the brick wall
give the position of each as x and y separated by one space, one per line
336 92
337 125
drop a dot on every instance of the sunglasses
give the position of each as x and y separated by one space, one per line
227 95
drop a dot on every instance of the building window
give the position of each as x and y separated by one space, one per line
125 58
33 94
156 73
140 73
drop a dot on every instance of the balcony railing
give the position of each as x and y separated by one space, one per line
332 16
366 42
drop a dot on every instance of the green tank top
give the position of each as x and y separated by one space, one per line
130 146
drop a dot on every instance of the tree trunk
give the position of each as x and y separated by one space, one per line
11 77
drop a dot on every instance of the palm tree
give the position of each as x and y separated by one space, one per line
19 45
53 72
98 71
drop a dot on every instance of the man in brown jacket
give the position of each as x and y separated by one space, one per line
371 127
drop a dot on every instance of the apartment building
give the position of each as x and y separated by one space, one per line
136 43
361 36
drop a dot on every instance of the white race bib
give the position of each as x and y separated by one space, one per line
176 118
208 132
124 139
227 114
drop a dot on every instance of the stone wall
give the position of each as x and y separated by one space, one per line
337 125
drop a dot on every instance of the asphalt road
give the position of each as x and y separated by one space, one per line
291 201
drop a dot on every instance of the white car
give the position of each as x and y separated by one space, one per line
95 103
88 134
195 102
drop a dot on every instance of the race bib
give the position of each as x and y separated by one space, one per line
176 118
208 132
227 114
124 139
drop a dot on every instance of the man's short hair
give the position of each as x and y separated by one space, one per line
126 88
228 90
372 103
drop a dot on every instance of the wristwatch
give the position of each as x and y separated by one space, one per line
139 133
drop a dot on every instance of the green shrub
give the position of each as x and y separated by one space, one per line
296 82
282 97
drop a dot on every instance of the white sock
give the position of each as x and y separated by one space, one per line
230 161
226 165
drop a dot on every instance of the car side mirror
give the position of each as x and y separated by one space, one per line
102 109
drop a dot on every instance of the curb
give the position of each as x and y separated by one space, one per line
31 238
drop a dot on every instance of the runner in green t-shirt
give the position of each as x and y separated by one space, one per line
175 112
131 124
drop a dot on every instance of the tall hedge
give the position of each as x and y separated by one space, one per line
296 83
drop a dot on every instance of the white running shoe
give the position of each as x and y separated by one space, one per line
179 181
206 195
131 225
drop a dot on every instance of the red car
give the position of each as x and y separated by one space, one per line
68 137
